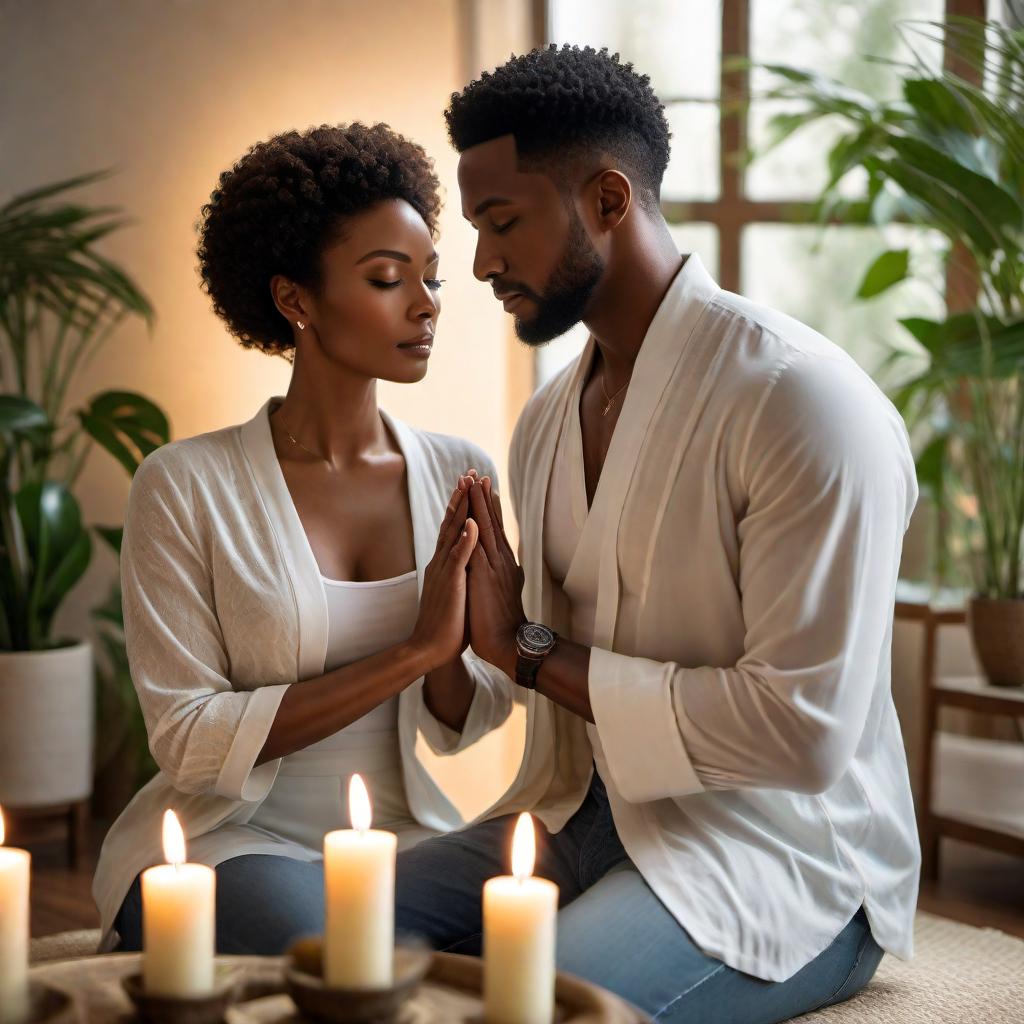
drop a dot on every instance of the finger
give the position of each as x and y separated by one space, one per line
454 524
458 520
478 503
449 515
464 546
494 507
478 559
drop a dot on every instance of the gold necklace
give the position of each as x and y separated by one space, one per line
294 440
609 399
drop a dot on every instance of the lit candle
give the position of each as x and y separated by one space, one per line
178 915
359 896
14 880
519 939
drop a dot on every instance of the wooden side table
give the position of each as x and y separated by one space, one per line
75 816
976 695
934 609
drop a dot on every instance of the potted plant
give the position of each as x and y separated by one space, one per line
948 156
60 299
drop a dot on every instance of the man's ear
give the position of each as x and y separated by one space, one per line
613 195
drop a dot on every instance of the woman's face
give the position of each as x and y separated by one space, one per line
378 307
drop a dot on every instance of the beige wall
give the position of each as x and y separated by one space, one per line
171 92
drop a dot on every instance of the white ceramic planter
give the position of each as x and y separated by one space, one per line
46 726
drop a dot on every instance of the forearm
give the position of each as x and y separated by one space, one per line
448 693
563 676
316 708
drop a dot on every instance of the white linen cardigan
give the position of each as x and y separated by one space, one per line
746 533
223 611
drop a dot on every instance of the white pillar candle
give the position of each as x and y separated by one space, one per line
359 896
519 939
178 921
15 867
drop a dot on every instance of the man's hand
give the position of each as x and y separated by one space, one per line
495 589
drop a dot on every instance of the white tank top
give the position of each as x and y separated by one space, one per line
310 794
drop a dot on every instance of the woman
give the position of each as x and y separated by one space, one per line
293 613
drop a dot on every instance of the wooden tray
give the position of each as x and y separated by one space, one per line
450 993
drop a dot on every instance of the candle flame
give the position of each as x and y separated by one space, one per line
359 811
2 832
174 839
524 848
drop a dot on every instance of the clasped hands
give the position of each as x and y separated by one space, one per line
472 588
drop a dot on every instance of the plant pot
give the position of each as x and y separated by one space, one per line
46 726
997 630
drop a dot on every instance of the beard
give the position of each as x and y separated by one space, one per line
568 291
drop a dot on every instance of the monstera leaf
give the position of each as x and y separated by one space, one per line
128 425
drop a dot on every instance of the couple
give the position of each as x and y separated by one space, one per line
712 500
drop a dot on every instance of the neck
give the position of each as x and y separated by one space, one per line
331 411
640 269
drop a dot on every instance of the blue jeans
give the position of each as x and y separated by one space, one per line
263 904
612 929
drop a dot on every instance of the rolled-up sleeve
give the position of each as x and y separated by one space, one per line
490 707
203 733
830 484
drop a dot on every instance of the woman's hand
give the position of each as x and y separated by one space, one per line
440 631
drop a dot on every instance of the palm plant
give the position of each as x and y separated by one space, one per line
60 300
948 156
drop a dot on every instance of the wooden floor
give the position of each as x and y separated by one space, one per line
977 886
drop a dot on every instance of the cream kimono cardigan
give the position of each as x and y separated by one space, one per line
224 610
746 534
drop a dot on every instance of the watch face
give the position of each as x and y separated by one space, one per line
534 638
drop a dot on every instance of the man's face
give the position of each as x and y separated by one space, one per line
532 247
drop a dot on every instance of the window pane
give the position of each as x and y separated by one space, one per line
676 42
693 166
833 39
701 239
698 238
813 274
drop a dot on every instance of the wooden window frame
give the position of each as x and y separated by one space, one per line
733 211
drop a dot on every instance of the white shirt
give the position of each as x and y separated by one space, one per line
224 609
743 547
309 796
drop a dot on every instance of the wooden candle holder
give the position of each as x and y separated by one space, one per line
303 978
204 1009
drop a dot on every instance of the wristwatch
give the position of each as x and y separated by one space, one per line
534 642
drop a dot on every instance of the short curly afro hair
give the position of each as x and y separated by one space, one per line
281 206
563 102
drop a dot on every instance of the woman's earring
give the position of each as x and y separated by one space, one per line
301 326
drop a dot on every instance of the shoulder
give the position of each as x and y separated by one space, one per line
531 420
188 465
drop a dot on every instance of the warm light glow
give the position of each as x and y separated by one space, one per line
359 812
174 839
2 833
524 848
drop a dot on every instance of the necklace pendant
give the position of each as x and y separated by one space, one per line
607 409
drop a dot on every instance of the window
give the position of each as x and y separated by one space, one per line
750 225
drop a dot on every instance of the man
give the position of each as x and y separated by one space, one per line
712 500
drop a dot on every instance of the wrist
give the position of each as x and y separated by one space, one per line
418 656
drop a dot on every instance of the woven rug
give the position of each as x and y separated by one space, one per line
959 975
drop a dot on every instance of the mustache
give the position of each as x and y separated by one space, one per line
504 288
